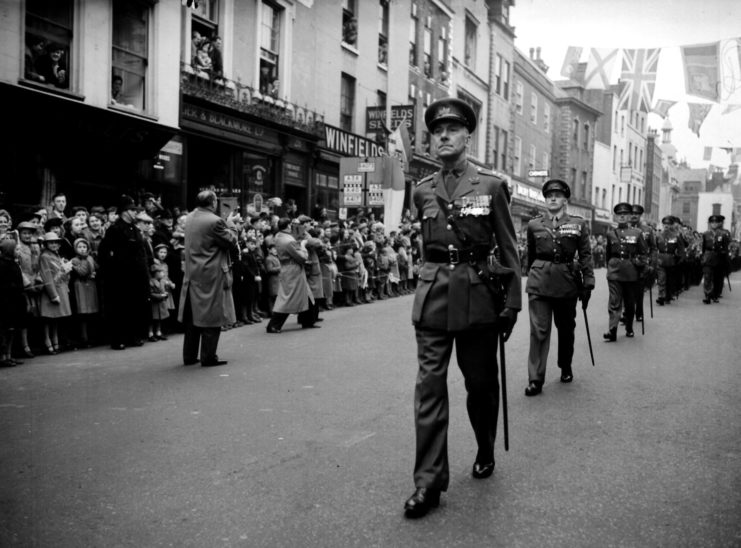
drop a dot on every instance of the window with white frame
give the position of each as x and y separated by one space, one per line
546 117
347 101
413 26
49 42
517 160
204 32
469 51
505 80
383 32
270 50
498 74
473 148
531 158
575 135
442 54
586 137
533 108
503 150
546 161
519 96
130 44
349 23
427 48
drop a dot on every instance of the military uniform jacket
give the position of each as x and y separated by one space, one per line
649 235
551 250
715 247
627 253
453 297
670 248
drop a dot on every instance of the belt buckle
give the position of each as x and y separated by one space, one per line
453 256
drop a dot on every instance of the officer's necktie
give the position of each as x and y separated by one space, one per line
450 180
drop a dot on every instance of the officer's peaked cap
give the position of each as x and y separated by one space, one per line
669 219
716 219
556 184
623 208
450 109
637 209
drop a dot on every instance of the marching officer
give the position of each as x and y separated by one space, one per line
627 255
465 294
715 244
670 252
647 274
555 281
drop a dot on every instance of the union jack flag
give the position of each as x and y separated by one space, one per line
639 78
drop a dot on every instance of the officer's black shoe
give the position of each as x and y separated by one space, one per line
482 470
715 300
639 318
610 336
567 375
622 319
629 332
660 301
533 389
421 501
706 301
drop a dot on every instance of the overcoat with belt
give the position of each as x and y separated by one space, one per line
453 297
207 278
294 291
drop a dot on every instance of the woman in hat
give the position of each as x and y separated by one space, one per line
55 273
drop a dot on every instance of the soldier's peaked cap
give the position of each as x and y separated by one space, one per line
716 219
556 184
638 209
450 109
622 208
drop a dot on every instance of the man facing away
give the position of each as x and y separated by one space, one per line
464 213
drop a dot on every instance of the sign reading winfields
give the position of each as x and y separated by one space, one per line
349 144
375 118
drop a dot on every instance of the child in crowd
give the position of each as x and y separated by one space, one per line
250 271
12 300
85 287
158 299
55 304
160 258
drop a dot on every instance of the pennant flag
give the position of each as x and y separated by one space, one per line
730 108
571 61
599 68
707 154
702 70
698 113
639 77
399 144
662 107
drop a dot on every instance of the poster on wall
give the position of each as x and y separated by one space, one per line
352 190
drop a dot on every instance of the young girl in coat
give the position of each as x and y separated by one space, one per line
158 298
55 304
85 287
160 258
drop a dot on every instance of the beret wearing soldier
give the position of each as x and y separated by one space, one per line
716 219
556 184
450 109
637 209
623 208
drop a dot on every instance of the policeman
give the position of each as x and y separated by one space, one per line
715 244
468 293
555 281
670 252
647 274
627 255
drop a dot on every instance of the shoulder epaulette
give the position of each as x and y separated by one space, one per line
485 171
426 179
576 216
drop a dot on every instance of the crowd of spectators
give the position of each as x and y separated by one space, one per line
81 279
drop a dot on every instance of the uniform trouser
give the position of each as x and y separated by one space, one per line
563 312
714 280
476 355
622 294
205 337
665 279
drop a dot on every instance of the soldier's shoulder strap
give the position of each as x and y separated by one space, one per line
427 179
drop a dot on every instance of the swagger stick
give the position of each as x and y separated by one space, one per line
503 363
589 337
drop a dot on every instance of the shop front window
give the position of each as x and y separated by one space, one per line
130 55
327 192
48 42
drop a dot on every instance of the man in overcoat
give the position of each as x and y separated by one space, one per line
294 294
124 271
206 295
467 233
555 281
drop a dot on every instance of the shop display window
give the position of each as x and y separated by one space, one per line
48 37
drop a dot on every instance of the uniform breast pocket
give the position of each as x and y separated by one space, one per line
430 214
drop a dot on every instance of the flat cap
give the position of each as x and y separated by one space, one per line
450 109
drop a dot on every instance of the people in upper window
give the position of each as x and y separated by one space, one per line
52 66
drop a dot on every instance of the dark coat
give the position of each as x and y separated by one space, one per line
551 251
715 245
12 299
454 297
627 254
670 247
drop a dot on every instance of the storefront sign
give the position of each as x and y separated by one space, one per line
375 118
528 194
221 124
349 144
402 112
294 174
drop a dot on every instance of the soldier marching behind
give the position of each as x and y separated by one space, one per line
715 262
671 252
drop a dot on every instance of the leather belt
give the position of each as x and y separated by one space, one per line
453 255
555 260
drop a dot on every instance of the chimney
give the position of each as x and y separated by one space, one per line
531 53
538 53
